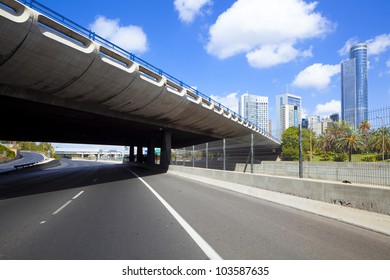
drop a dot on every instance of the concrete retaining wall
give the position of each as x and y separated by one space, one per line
375 173
375 199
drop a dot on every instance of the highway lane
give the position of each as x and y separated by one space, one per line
105 212
112 219
242 227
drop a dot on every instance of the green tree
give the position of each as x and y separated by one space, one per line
377 137
328 141
349 141
364 129
290 143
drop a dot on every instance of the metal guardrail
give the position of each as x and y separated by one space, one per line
96 38
25 165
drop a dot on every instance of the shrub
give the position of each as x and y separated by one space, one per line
370 158
8 152
290 153
325 157
340 157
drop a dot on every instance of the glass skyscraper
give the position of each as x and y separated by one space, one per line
354 86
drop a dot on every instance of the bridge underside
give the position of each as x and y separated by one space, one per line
26 120
58 85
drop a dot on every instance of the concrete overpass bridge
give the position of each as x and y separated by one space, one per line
60 82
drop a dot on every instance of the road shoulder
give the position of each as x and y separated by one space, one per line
364 219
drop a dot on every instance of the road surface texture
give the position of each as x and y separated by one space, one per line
87 210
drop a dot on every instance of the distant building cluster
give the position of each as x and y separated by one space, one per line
354 101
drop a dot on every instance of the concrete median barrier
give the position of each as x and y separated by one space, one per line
375 199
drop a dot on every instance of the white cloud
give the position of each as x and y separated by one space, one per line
304 113
131 38
230 101
376 46
327 109
388 65
269 56
316 76
188 9
347 46
379 44
267 31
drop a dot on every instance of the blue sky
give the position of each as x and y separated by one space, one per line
264 47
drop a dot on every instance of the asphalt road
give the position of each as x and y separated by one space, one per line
97 211
27 157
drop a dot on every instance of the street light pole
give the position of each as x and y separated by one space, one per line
383 138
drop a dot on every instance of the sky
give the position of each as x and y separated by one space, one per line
263 47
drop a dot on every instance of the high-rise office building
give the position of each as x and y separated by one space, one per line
315 124
255 109
288 112
354 86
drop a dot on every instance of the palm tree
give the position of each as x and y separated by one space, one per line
379 136
350 141
364 129
333 133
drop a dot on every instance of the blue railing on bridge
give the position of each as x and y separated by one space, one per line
96 38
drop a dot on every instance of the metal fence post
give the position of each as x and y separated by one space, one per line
184 157
300 152
224 154
193 156
207 155
252 153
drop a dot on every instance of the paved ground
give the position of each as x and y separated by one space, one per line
26 157
106 212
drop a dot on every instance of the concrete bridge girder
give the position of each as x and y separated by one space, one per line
106 77
142 91
46 61
15 24
168 101
43 55
189 106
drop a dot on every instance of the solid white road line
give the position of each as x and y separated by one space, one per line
206 248
62 207
77 195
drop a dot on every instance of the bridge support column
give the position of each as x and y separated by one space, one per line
165 160
151 154
131 153
140 156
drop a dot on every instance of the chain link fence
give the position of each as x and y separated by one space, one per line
227 153
368 151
